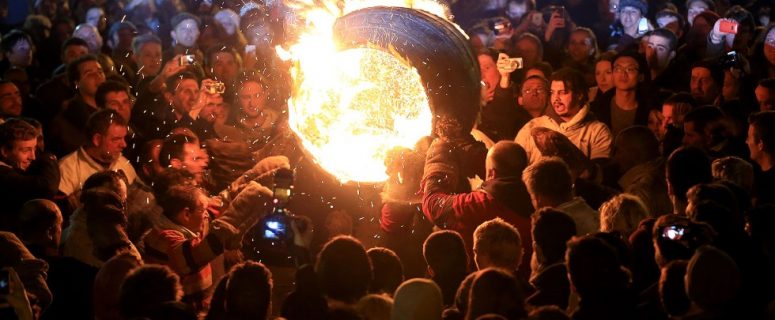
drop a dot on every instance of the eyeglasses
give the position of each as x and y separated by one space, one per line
628 70
536 91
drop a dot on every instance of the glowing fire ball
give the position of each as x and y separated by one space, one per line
373 79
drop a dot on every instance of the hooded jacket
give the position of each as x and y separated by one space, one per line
592 137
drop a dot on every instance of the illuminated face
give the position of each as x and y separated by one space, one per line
252 99
667 115
21 154
702 85
21 54
227 24
149 58
604 75
224 67
534 95
198 215
695 8
185 95
212 108
10 101
658 52
186 33
91 77
111 144
120 102
490 75
769 47
626 73
580 46
562 101
89 33
195 160
629 17
765 98
515 10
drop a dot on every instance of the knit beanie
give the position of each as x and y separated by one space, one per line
637 4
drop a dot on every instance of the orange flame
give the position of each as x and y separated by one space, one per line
350 107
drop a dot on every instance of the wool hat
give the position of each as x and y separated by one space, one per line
637 4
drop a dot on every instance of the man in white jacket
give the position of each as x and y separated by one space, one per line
571 117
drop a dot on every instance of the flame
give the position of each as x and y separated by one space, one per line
350 107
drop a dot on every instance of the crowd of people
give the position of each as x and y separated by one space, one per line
621 168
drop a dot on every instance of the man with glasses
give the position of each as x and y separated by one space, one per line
627 104
66 132
533 97
571 117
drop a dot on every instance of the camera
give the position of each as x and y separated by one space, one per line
549 11
674 232
5 283
515 63
500 26
729 27
215 88
729 60
187 60
276 225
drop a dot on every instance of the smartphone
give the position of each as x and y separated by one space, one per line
673 232
729 27
643 25
275 227
560 11
5 283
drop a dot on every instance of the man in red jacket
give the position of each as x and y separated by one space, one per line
503 194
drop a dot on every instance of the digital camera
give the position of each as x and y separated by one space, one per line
276 225
216 88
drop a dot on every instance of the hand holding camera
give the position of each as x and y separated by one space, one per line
507 65
724 28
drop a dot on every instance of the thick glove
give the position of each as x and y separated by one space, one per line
554 144
249 205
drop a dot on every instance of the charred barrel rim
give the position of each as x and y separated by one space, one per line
436 48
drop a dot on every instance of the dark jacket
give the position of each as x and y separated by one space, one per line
602 107
502 118
552 287
506 198
67 131
40 181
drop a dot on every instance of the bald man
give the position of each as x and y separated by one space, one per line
40 227
503 194
642 169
